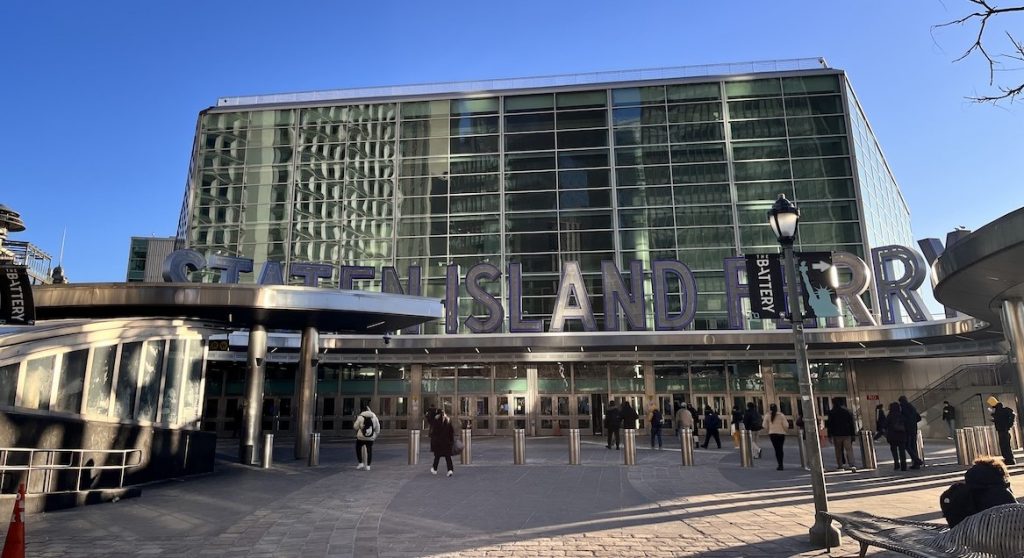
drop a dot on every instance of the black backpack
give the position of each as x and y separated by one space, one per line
656 418
367 427
957 503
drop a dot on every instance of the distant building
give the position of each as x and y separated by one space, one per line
145 258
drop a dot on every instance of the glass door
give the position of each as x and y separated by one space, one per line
511 389
475 413
554 415
277 415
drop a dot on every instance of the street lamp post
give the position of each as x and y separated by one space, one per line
784 218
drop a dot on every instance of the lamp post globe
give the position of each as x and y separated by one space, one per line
784 218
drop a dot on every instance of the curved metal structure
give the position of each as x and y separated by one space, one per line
276 307
980 271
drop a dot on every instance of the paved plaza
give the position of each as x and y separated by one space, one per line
493 508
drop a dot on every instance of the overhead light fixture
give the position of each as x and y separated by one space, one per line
581 349
964 338
748 348
380 323
916 342
477 349
862 345
529 350
376 351
426 351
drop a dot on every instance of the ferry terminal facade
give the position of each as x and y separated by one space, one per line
543 179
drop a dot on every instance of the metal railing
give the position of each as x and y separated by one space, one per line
27 460
963 376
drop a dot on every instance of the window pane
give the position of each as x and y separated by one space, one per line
582 119
692 216
698 153
695 112
580 199
530 142
635 116
685 133
831 104
527 103
754 129
127 380
630 156
638 197
772 149
819 147
824 189
581 99
638 96
693 92
8 383
530 201
38 383
754 88
474 106
172 383
529 122
529 161
817 126
811 84
702 194
583 138
529 181
151 372
101 376
578 179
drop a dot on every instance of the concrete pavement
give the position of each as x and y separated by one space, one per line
493 508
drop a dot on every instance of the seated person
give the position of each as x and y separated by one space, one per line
986 485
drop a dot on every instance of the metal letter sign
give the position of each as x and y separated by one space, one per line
764 279
818 280
16 305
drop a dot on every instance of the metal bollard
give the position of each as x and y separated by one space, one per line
314 450
992 438
972 444
963 457
867 449
980 442
801 444
467 446
414 447
746 450
268 451
686 446
574 446
519 446
629 446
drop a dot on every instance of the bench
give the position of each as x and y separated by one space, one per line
993 533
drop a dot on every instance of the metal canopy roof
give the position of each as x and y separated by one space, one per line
984 268
274 307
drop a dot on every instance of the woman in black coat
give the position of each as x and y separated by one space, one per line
442 440
896 435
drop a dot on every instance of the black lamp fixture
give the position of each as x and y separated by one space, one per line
784 217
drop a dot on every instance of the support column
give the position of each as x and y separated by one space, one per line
305 390
416 409
1013 330
650 391
254 374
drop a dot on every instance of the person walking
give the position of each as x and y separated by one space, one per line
684 419
1003 419
896 435
879 421
367 427
712 422
910 418
949 417
629 416
442 440
841 428
734 425
753 421
656 424
777 424
612 423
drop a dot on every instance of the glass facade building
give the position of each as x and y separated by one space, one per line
647 170
633 166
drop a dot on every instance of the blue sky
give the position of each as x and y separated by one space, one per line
101 97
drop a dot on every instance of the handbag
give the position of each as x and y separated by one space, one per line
458 446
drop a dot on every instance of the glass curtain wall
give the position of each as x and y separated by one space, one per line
682 171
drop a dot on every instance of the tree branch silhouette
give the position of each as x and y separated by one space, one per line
982 17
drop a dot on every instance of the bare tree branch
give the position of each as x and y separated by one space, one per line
985 12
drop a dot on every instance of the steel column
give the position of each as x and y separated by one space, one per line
254 378
1013 329
305 390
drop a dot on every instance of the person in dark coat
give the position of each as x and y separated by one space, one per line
737 417
896 435
753 422
1003 418
612 423
442 440
879 421
910 418
949 417
712 422
986 485
841 428
629 416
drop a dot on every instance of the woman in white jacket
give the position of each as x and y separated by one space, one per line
367 428
777 424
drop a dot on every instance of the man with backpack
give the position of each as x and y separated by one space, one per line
841 428
753 422
367 428
1003 418
656 423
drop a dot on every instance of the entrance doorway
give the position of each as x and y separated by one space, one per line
277 415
